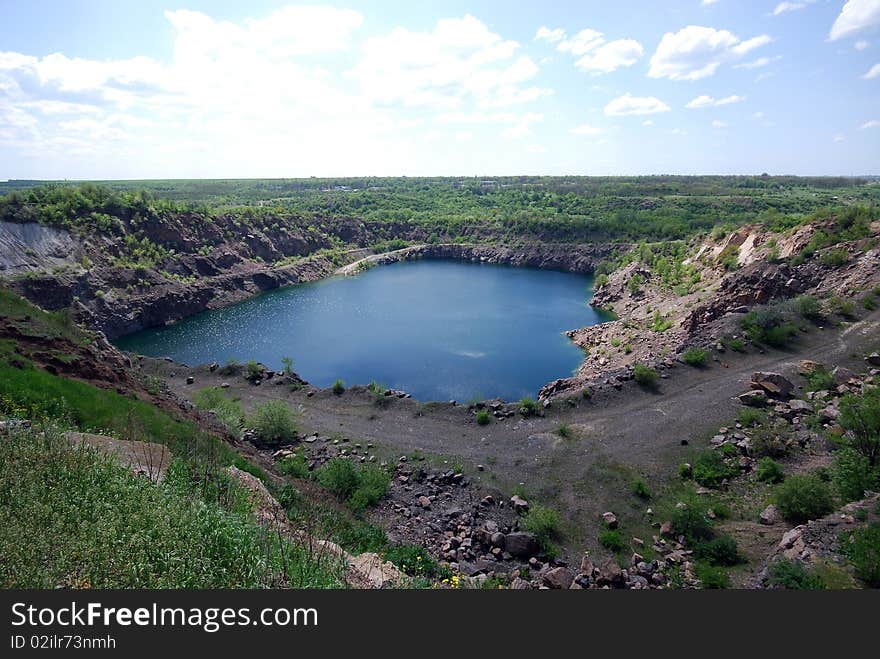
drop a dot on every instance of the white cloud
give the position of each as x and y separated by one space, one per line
586 130
873 123
696 52
629 105
648 122
612 56
460 60
839 138
855 17
861 44
523 126
785 7
546 34
719 124
757 63
874 72
709 2
581 43
705 101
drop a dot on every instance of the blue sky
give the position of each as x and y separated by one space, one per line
271 89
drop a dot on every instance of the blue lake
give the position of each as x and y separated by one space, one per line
437 329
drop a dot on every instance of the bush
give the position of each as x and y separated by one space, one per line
295 465
227 410
820 380
692 522
802 498
360 488
751 416
252 370
841 307
737 345
860 417
712 577
544 523
483 417
808 307
612 540
719 551
273 422
862 548
786 573
645 376
769 440
710 469
695 357
563 431
339 476
835 257
769 471
339 387
414 560
852 474
640 489
769 327
528 406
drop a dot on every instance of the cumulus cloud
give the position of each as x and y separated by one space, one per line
874 72
719 124
785 7
705 101
861 44
595 54
873 123
635 105
856 16
523 126
696 52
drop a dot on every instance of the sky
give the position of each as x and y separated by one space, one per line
104 89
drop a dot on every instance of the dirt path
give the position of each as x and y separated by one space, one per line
615 436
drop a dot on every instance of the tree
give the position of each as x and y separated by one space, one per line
860 417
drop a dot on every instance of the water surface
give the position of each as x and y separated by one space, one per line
438 329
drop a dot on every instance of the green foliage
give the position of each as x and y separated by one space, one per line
719 551
737 345
413 560
820 380
769 440
659 323
360 488
645 375
544 523
804 497
768 326
862 548
640 489
295 465
612 540
835 258
860 417
711 576
841 307
74 518
227 410
691 520
808 306
695 357
635 283
769 471
563 431
710 468
287 363
339 387
274 423
793 575
852 474
528 407
749 417
483 417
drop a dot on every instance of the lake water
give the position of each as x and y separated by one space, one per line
439 330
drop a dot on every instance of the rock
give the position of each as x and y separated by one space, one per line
770 515
873 359
610 573
791 537
754 398
424 501
586 565
520 505
808 367
521 544
497 540
797 405
190 379
842 375
829 413
224 385
559 578
520 584
666 529
775 384
610 519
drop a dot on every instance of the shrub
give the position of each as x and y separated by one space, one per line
860 417
528 406
287 363
645 376
710 469
841 307
339 476
802 498
862 548
483 417
719 551
751 416
737 345
612 540
544 522
692 522
563 431
695 357
660 323
852 474
338 387
295 465
227 410
712 577
252 370
786 573
808 307
372 485
835 258
769 440
273 422
769 471
640 489
820 380
768 326
414 560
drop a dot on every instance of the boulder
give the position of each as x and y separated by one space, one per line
610 519
808 367
610 573
559 578
521 544
873 359
586 565
798 406
770 515
842 375
519 504
754 398
520 584
774 384
666 529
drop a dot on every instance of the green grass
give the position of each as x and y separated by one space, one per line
75 518
695 357
545 524
645 375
